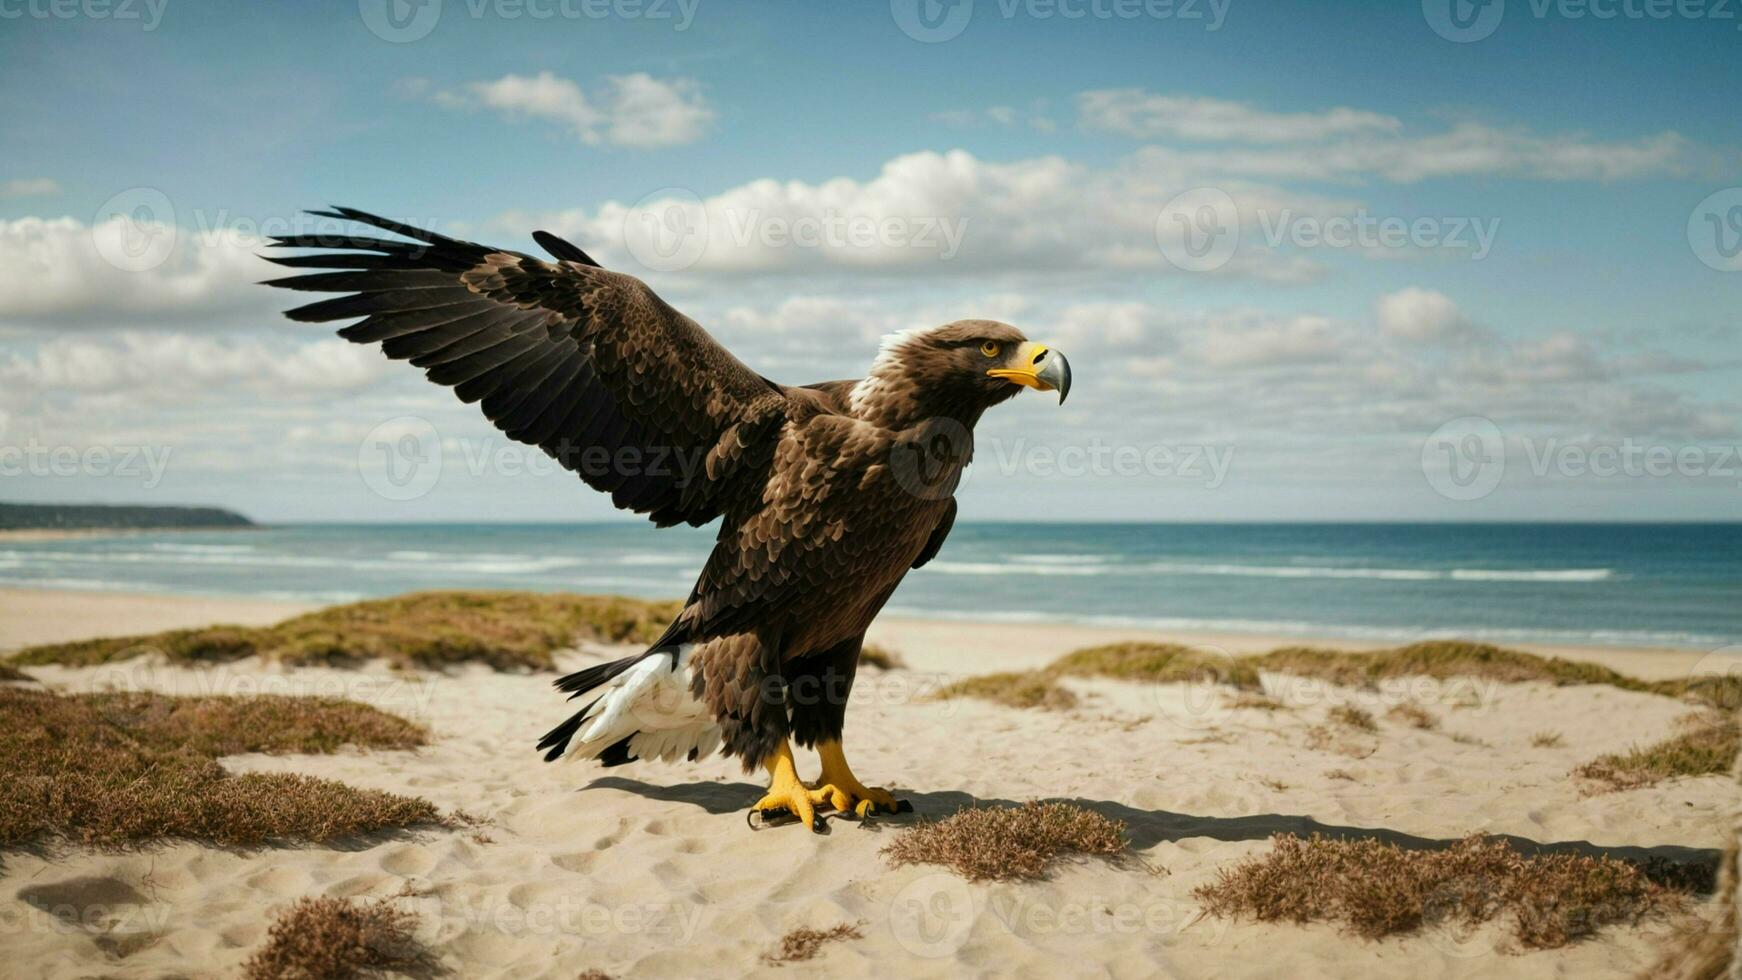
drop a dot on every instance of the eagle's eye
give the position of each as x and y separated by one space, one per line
990 348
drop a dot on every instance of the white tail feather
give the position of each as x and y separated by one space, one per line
651 705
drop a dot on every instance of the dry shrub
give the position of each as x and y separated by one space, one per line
804 943
1008 843
11 673
1547 740
881 657
505 630
114 769
1709 747
1157 663
1255 702
336 939
1414 716
1378 889
1026 689
1354 717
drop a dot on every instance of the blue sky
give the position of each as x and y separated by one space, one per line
1590 323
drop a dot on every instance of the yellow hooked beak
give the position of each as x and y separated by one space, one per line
1039 367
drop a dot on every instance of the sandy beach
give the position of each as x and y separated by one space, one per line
650 869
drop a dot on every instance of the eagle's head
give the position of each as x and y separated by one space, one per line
957 370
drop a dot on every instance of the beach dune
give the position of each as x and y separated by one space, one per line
651 870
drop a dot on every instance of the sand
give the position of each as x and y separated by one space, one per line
650 870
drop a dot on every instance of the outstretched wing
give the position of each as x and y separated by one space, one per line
587 364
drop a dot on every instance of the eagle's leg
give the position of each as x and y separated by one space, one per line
785 790
843 790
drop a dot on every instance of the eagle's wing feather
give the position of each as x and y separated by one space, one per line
938 533
587 364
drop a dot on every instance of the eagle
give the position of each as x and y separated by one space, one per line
826 494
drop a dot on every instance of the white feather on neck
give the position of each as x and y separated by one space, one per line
884 366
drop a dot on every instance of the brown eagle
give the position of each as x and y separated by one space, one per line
826 494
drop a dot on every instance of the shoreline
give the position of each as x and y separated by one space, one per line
30 616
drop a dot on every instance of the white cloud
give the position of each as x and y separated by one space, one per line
1147 115
1467 150
939 214
29 187
188 367
1424 316
65 272
634 110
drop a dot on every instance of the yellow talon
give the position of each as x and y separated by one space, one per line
843 791
786 791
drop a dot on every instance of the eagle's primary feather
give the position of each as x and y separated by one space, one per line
826 494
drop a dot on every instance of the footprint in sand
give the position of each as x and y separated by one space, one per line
119 920
408 860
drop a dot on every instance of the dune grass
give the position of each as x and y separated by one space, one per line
805 943
1022 689
1377 889
881 657
114 769
1156 663
1446 659
504 630
1171 663
1009 843
1709 746
1414 716
337 939
1352 717
11 673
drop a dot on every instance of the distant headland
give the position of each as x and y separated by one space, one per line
105 517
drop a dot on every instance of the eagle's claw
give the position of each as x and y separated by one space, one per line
852 797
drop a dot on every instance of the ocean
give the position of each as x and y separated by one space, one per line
1674 585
